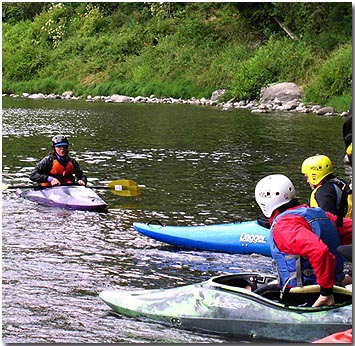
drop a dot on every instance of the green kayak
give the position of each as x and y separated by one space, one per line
222 305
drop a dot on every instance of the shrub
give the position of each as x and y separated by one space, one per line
278 61
332 77
22 55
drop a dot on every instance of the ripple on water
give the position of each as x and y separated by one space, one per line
56 262
55 267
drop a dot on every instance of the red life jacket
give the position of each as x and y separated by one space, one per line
63 174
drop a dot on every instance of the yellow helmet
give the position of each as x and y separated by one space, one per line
349 150
317 168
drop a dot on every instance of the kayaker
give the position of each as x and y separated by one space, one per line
304 240
58 167
348 136
327 189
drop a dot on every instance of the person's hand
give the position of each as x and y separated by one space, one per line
347 280
55 182
324 300
81 182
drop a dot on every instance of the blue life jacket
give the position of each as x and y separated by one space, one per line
295 270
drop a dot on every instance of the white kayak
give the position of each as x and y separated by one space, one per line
70 197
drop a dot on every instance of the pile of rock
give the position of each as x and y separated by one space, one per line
278 97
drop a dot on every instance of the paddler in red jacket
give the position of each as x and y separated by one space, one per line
304 239
58 167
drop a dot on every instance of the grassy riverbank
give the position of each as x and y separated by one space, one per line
180 50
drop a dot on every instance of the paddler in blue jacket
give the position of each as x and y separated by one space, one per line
304 240
58 167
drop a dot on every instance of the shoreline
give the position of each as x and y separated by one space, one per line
276 105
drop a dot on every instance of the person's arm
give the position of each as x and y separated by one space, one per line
324 300
326 197
41 171
293 235
79 174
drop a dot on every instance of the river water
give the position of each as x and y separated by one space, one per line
199 165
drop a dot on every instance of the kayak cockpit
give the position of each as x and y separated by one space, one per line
265 288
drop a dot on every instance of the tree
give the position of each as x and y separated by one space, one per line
21 11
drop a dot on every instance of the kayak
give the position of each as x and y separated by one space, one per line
70 197
341 338
237 237
222 305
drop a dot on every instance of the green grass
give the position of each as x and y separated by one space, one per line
184 55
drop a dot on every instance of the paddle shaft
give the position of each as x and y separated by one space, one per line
19 187
119 187
46 187
7 187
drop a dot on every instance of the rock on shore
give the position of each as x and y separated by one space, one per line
274 98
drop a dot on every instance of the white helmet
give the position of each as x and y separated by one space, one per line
273 191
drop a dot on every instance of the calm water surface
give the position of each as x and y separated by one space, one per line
199 165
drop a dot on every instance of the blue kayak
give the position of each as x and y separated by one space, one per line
67 196
237 237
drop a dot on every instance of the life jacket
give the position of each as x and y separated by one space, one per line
63 174
295 270
344 196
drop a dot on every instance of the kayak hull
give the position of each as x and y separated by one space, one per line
68 197
238 237
233 311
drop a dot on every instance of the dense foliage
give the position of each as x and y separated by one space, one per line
178 49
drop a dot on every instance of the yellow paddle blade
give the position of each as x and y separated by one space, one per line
124 187
5 187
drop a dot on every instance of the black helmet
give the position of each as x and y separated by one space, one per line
59 140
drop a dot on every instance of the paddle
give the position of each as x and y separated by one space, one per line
121 187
